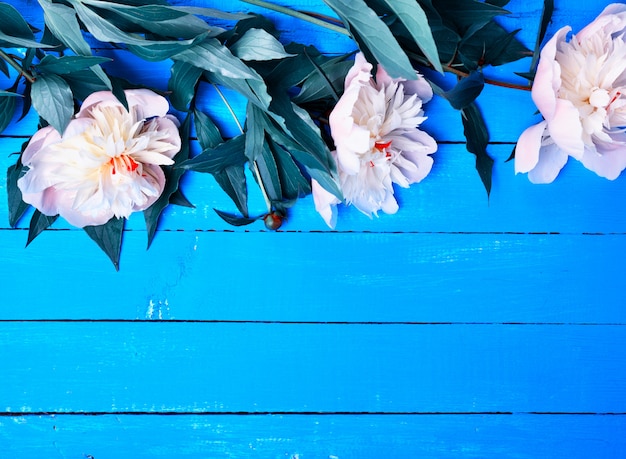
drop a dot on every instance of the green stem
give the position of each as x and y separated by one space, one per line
298 15
16 66
460 73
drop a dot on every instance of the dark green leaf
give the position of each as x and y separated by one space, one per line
267 174
7 109
364 24
466 90
14 30
546 17
16 205
214 160
182 84
212 56
158 51
68 64
235 220
326 82
38 223
179 199
256 122
109 238
208 134
173 175
84 82
233 181
259 45
477 140
52 98
411 14
294 184
62 22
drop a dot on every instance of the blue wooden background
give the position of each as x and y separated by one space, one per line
461 327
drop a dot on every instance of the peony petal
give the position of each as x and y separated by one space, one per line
551 161
566 129
608 163
528 147
325 203
40 140
148 103
547 79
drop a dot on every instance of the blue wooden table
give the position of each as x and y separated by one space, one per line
461 327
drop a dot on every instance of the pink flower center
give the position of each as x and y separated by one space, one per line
123 163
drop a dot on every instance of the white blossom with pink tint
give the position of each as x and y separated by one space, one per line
106 164
580 89
375 129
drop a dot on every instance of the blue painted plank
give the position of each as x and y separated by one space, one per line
303 276
306 437
525 278
451 199
203 367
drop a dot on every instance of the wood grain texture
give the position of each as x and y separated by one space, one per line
462 327
313 436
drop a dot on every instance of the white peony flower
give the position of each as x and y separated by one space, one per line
375 129
580 89
107 162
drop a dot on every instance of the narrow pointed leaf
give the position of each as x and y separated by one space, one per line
7 109
234 220
214 160
477 140
68 64
38 223
233 181
259 45
466 90
182 84
16 205
208 134
411 14
109 238
363 23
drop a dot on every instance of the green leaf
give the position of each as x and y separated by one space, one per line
326 82
109 238
158 51
259 45
267 169
477 140
214 160
14 30
466 90
233 181
546 17
182 84
234 220
208 134
38 223
212 56
84 82
62 22
364 24
7 108
294 184
173 175
162 20
411 14
256 120
52 98
16 205
68 64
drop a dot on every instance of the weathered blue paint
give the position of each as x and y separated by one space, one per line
462 327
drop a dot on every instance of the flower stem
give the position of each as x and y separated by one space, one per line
298 15
4 56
